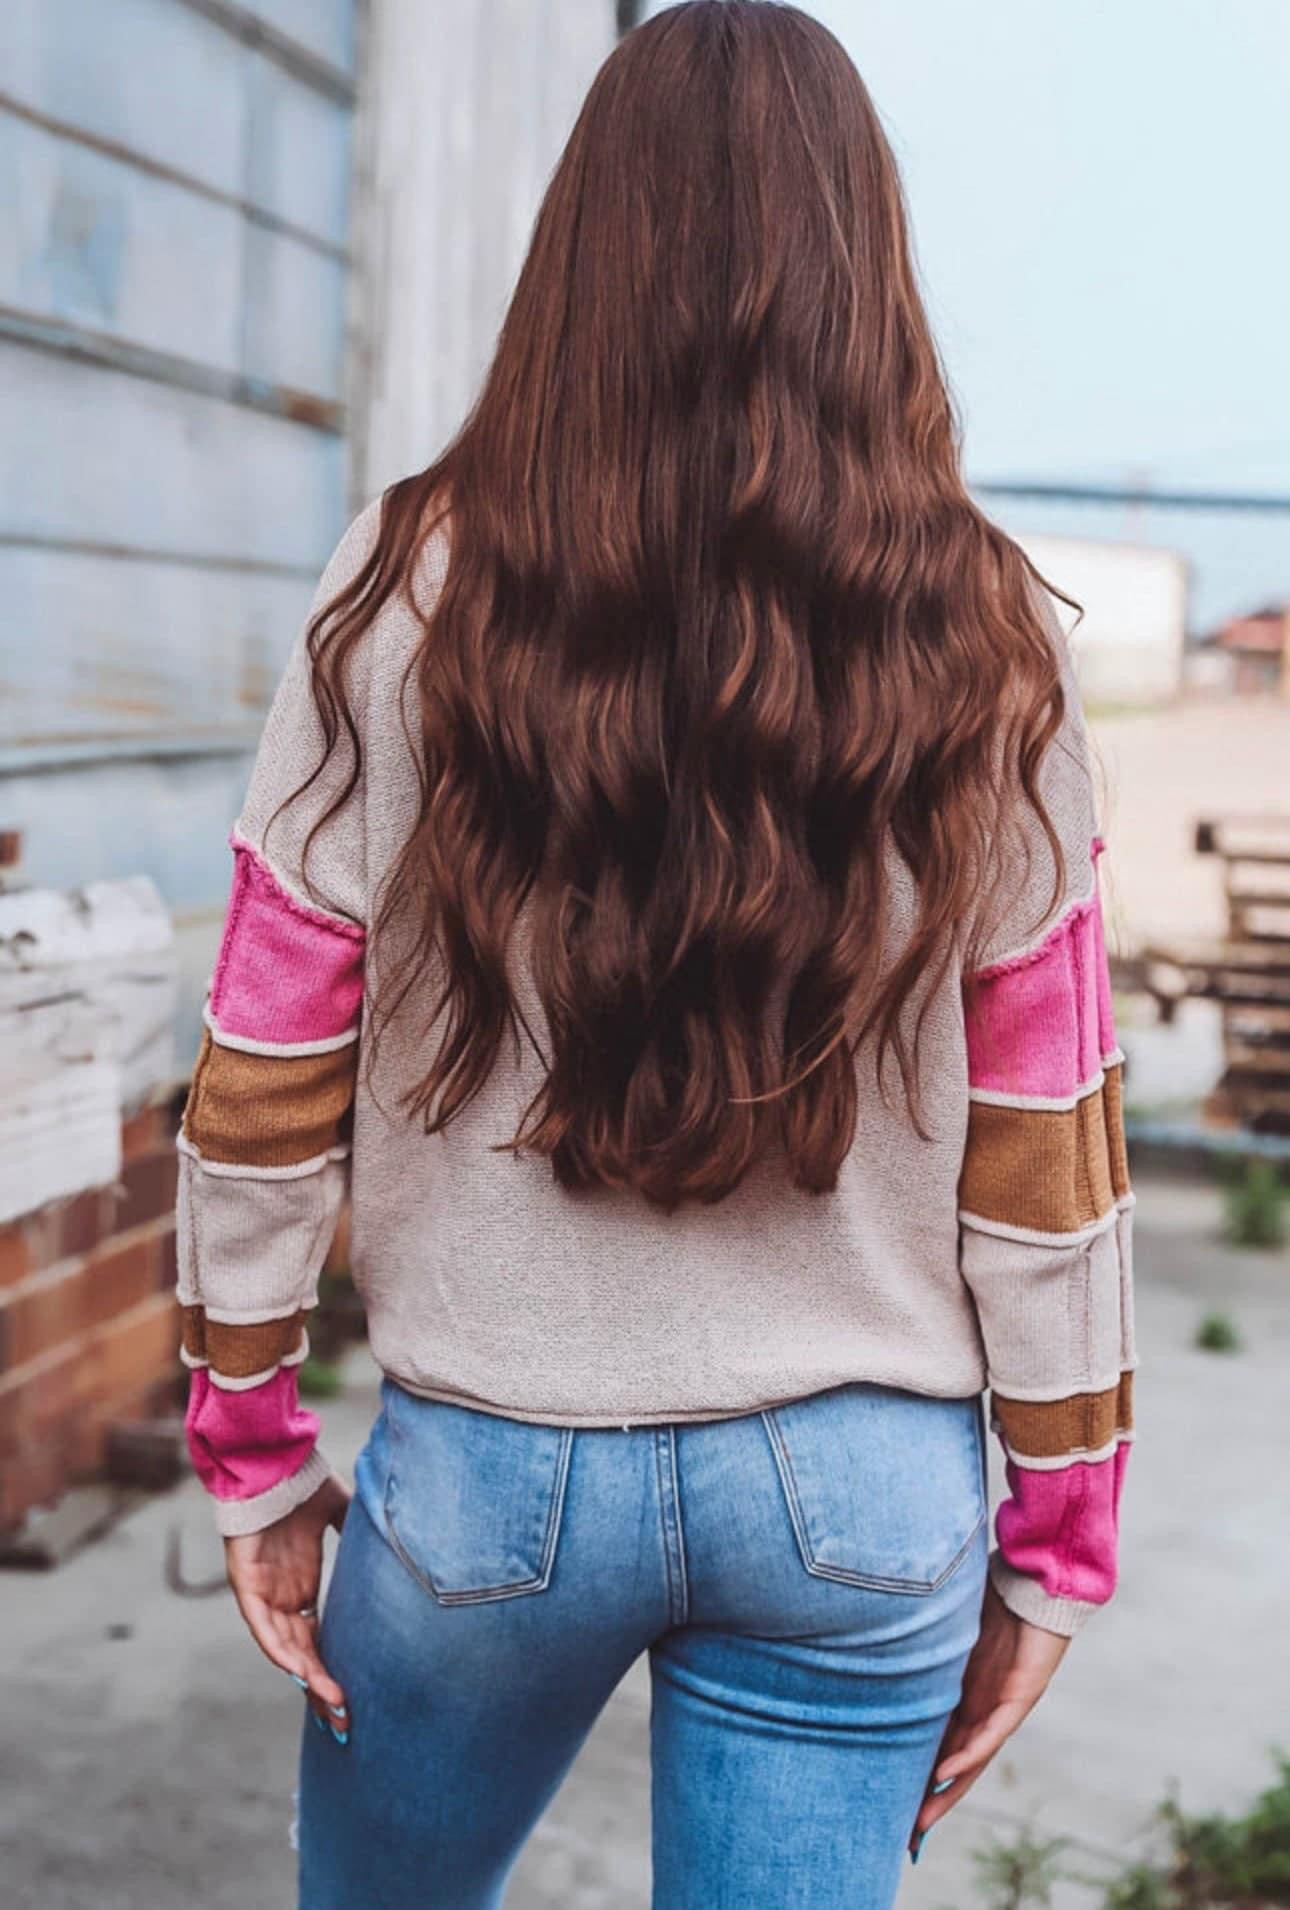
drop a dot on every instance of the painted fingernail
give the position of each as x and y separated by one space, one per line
320 1722
296 1679
914 1849
944 1785
341 1737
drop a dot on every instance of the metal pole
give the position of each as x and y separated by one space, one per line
1075 493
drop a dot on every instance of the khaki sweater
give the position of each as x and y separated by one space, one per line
996 1252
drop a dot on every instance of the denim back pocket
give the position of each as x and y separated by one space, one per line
473 1502
884 1488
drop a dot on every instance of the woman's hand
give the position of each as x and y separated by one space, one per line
1007 1674
276 1575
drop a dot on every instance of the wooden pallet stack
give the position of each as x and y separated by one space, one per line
1247 972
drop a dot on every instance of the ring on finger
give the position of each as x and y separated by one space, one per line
307 1611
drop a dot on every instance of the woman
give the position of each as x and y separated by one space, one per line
668 885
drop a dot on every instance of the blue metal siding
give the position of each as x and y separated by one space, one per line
113 651
326 27
297 158
151 76
172 470
133 256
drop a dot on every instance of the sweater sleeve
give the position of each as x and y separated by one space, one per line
1045 1209
263 1144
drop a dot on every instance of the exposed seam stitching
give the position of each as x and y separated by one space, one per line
1075 1455
788 1477
1021 958
307 911
198 1085
555 1511
1071 1522
1072 1242
680 1528
662 1524
194 1258
1081 1294
311 1166
236 901
1068 1526
1047 1103
1084 1181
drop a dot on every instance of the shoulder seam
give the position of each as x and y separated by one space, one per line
298 904
1073 911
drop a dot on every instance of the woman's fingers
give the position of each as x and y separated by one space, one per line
985 1738
965 1753
289 1641
1008 1671
942 1792
262 1623
323 1688
952 1781
275 1574
938 1803
298 1639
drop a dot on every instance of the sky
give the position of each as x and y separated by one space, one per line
1099 195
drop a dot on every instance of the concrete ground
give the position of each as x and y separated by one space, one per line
146 1750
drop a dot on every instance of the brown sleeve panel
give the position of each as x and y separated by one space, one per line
239 1351
1053 1171
1050 1429
252 1110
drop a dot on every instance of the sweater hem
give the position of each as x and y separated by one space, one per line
1026 1598
666 1416
237 1518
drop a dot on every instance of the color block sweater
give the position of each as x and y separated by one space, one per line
994 1253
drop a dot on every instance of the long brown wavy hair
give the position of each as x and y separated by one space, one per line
724 652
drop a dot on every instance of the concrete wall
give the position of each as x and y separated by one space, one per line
464 111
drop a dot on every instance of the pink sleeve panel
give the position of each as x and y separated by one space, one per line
245 1443
1045 1213
1061 1527
1041 1023
287 975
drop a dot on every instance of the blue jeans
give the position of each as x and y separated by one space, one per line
807 1582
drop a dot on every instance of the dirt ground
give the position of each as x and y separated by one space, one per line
146 1751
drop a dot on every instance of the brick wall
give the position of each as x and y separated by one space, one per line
88 1321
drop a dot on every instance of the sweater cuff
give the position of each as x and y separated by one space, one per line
1026 1598
235 1518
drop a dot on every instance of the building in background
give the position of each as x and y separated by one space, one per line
254 265
1129 640
1257 648
464 109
